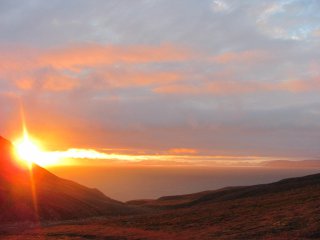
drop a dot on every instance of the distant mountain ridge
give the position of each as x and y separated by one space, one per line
287 209
292 164
232 193
40 195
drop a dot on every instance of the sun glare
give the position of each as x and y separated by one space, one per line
28 150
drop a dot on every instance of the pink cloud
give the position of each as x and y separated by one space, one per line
62 69
301 85
92 65
95 55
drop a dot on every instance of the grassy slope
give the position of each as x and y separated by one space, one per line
56 198
289 209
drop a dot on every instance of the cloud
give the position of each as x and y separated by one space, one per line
122 78
215 87
231 87
113 67
220 6
67 68
95 55
290 20
179 157
308 85
316 33
221 77
252 56
183 151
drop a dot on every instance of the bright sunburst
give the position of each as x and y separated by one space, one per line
28 150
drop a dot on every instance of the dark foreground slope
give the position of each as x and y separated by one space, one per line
301 185
39 195
288 209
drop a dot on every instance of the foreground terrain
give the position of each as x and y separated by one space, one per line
288 209
36 204
31 193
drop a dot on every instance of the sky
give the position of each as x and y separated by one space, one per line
164 77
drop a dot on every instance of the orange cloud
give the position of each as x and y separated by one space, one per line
52 81
25 83
95 55
183 151
97 66
64 69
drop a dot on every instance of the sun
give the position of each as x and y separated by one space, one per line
28 150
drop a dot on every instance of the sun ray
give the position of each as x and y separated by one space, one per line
28 151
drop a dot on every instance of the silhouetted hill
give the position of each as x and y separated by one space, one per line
37 194
232 193
288 209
